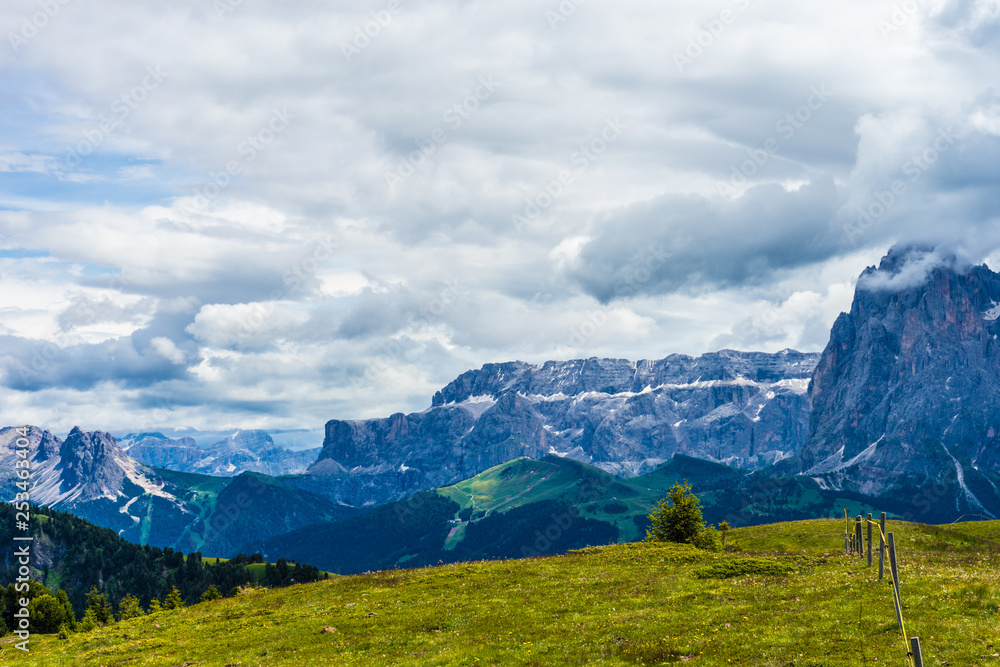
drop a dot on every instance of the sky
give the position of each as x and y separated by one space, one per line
221 214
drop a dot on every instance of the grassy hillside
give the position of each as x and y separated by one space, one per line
522 508
802 603
984 530
524 481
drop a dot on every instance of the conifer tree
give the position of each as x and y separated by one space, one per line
174 599
47 614
98 603
129 607
211 593
678 518
63 599
88 622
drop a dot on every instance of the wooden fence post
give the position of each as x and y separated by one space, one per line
881 548
869 539
895 580
918 659
860 542
847 536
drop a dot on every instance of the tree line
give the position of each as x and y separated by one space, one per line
84 576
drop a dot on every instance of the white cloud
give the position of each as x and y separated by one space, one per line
13 161
194 204
246 324
168 350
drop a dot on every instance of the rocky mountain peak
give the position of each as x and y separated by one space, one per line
91 460
907 390
253 440
747 409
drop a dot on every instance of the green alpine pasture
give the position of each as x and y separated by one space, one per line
780 595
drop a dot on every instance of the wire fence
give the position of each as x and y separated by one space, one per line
856 544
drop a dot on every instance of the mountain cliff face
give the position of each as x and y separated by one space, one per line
159 451
243 451
742 408
84 468
905 401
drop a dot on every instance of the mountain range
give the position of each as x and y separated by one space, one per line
90 475
746 409
243 451
899 413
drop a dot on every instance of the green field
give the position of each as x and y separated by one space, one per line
793 599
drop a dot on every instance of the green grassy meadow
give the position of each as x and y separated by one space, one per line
781 595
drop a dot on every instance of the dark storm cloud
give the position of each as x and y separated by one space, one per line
721 215
709 244
34 365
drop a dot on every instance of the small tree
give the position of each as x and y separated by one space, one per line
98 605
174 600
47 614
68 606
155 606
211 593
678 518
129 607
724 527
88 622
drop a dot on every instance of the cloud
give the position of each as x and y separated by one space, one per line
168 350
14 161
33 365
223 243
85 310
245 325
905 268
709 244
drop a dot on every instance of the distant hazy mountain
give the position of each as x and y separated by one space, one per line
746 409
906 398
243 451
89 475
